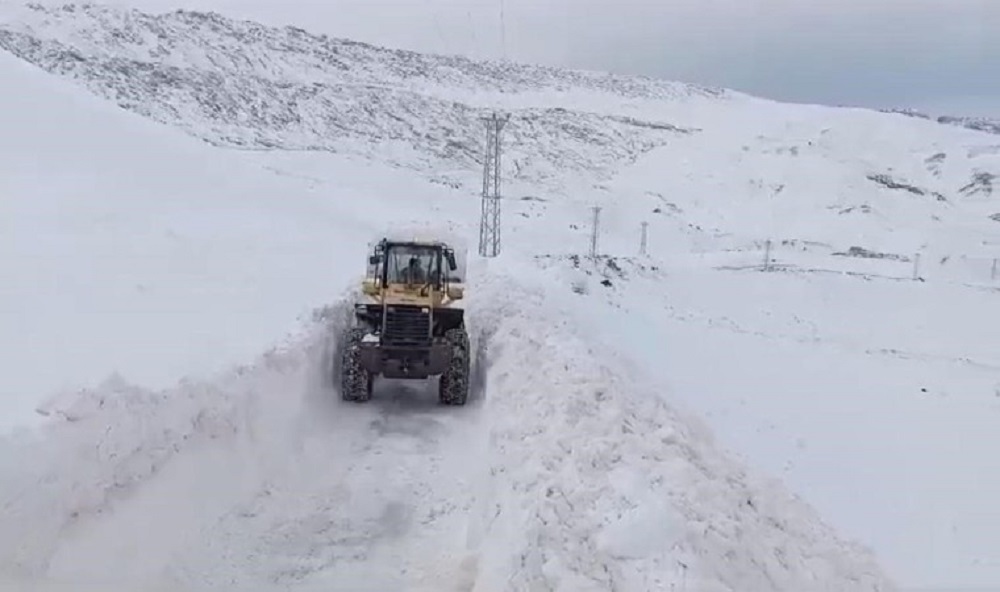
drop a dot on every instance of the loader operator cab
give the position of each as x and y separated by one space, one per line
412 264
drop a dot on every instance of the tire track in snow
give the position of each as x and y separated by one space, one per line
373 499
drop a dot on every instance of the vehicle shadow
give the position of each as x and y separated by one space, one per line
394 396
408 408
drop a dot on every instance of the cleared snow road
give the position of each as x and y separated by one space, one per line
263 479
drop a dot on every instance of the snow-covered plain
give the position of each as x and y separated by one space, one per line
588 460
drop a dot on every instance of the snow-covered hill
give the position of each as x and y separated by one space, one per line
143 251
982 124
254 476
140 249
238 83
242 84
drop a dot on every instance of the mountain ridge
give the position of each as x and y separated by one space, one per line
240 84
979 124
244 85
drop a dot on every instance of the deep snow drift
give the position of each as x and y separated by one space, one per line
611 488
142 250
873 398
128 246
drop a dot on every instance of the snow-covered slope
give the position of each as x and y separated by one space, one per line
805 372
875 398
133 248
138 248
982 124
239 83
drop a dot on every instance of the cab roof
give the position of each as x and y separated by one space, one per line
415 242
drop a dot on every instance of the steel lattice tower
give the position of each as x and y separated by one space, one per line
489 223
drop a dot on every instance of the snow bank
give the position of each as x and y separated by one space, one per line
596 484
128 245
109 443
782 365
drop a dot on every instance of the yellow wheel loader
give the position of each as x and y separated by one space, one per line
410 322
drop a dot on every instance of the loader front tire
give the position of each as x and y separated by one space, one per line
355 381
453 386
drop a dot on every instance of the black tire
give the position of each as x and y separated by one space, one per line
355 381
453 386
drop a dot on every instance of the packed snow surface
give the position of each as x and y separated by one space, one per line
814 302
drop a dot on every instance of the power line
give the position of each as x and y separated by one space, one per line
445 46
594 231
472 31
489 222
503 31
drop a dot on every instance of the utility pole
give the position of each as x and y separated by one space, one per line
489 222
594 231
642 240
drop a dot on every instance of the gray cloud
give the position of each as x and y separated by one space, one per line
924 53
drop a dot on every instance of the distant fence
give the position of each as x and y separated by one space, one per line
982 270
626 232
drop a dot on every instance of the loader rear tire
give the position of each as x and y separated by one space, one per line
453 386
355 381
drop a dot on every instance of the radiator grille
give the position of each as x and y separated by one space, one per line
407 325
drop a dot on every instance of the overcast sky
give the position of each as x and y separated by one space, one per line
941 55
